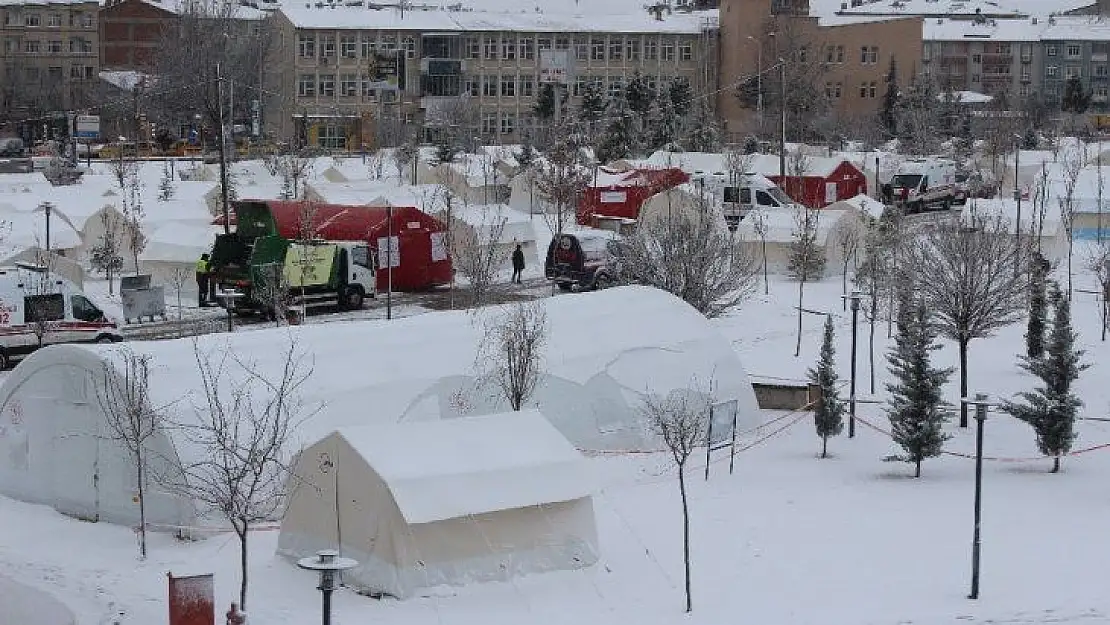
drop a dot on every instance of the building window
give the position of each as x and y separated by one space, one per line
977 58
31 47
32 20
616 49
508 123
838 89
1100 93
306 46
632 49
348 85
508 48
527 86
1023 90
489 86
1071 71
1099 70
348 46
868 89
543 43
54 47
686 52
562 43
830 54
975 79
579 85
54 20
1051 71
668 51
472 86
1074 51
1050 51
616 87
1026 74
527 51
410 47
327 85
331 136
327 45
840 54
581 51
80 45
869 55
489 123
651 50
473 48
491 49
80 72
597 49
368 46
508 86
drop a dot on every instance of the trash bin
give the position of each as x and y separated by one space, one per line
140 299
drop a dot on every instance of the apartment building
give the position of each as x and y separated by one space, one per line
849 55
984 55
336 69
131 31
1076 47
48 62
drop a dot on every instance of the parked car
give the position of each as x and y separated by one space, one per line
974 184
588 261
11 147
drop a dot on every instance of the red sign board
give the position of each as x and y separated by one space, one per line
192 600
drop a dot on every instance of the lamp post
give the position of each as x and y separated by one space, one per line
759 77
1017 196
47 207
854 298
981 402
782 118
328 563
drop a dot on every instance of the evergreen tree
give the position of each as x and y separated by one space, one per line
682 96
660 125
545 102
705 133
639 94
1076 97
593 104
619 139
445 149
1038 304
916 420
165 186
888 114
1051 408
526 155
828 413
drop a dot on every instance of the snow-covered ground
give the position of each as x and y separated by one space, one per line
787 539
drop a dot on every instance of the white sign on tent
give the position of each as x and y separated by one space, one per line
389 252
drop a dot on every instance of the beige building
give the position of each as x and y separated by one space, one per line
347 75
846 57
49 56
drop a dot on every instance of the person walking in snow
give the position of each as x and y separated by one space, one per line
518 263
204 277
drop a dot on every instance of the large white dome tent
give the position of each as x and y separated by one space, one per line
605 351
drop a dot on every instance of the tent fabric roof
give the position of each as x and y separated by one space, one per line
452 468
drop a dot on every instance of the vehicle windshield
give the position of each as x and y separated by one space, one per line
592 246
780 196
907 181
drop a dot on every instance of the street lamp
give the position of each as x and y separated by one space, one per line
328 563
981 402
1017 193
854 298
759 77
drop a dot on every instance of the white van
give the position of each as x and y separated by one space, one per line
753 191
923 183
28 292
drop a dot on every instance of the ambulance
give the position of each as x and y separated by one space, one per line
28 293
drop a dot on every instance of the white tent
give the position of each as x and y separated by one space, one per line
782 226
496 225
175 248
445 502
605 351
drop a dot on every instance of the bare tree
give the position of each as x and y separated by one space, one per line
307 225
797 166
105 255
689 255
759 226
244 424
738 163
848 239
445 201
375 162
272 289
1072 166
561 178
133 216
293 169
968 274
178 277
681 420
1040 206
478 254
511 353
807 260
1098 262
44 305
404 159
124 398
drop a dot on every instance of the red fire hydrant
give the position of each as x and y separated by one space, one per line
235 616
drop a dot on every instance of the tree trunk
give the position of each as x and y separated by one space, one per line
917 467
963 381
142 506
685 532
843 288
824 446
242 530
871 343
801 293
1071 246
1056 464
766 285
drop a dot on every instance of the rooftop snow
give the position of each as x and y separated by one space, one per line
965 97
358 18
933 8
999 30
452 468
1077 29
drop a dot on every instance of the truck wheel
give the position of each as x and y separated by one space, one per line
105 338
352 299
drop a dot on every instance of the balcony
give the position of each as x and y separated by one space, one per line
1098 57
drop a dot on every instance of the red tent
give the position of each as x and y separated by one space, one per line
622 194
420 259
826 180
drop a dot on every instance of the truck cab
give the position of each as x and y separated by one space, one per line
36 304
923 183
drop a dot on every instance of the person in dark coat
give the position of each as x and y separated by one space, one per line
518 263
203 280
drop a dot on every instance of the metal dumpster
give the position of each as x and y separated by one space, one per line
140 299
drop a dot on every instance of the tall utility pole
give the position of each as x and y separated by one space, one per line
1017 194
47 207
223 149
854 298
389 259
980 402
782 118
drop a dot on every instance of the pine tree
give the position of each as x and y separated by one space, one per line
545 102
659 124
618 141
445 150
593 104
682 95
1076 97
1051 408
916 419
639 94
828 413
1034 330
165 186
888 114
526 155
705 134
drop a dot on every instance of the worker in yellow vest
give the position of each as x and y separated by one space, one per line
204 276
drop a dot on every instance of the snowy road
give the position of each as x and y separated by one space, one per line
23 605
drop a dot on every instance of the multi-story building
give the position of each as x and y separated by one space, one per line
848 56
1076 47
131 31
48 62
337 68
984 55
